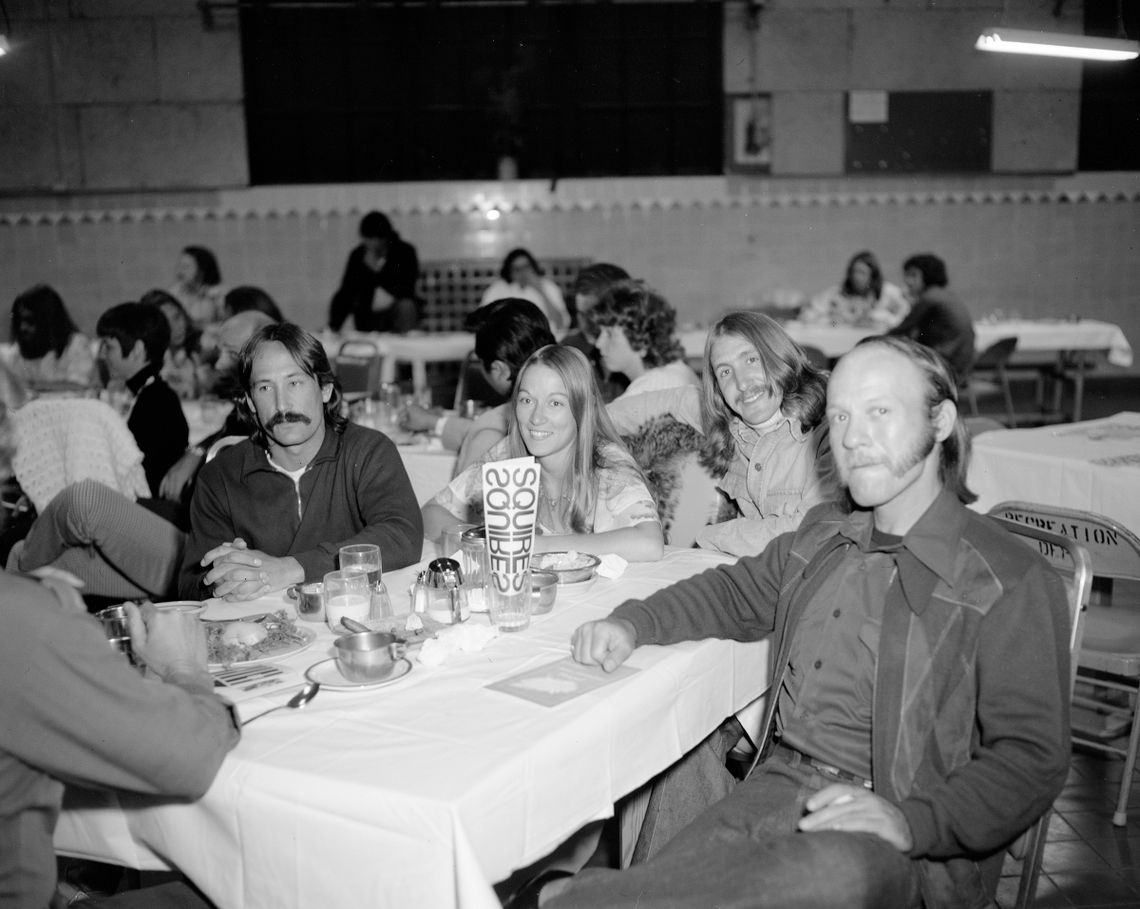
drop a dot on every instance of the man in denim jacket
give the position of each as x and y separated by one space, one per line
918 721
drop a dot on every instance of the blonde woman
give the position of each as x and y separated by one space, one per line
592 495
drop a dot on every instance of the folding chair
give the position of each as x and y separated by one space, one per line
357 365
988 376
1109 662
1073 563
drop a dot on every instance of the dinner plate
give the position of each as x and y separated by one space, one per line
327 673
288 648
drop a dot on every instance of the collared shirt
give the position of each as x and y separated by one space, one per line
825 702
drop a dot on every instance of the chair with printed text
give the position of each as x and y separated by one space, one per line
1106 705
1074 565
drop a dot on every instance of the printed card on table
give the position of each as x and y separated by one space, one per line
558 682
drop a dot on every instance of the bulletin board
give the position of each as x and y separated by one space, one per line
909 132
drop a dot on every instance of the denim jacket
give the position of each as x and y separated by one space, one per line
773 479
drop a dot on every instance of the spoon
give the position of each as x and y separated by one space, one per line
354 626
299 700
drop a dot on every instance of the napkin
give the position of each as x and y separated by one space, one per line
612 566
465 638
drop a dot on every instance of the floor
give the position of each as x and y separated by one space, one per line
1088 862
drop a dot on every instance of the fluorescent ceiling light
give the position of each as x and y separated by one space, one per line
1051 44
3 45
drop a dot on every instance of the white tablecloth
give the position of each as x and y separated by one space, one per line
1093 466
429 467
1033 335
423 793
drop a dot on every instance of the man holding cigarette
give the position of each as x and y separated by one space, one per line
918 719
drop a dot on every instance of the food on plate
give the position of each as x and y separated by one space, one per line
244 633
240 642
413 628
563 561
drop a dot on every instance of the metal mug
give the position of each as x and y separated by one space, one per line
446 595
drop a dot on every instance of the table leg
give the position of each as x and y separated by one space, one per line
419 377
387 370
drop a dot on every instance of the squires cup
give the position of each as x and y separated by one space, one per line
510 510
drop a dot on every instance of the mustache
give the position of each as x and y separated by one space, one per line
286 416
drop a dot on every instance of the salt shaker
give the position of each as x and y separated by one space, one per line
420 593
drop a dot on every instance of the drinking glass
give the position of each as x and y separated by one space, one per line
452 538
366 557
347 594
186 617
510 609
363 557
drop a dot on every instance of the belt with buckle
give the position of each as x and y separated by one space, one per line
793 757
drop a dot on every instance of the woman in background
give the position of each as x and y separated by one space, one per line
198 286
49 349
863 300
521 276
182 367
635 338
592 495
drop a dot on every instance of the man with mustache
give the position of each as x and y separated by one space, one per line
275 510
918 715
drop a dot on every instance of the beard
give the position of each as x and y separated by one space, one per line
901 464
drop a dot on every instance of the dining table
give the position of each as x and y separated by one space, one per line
1034 336
1092 465
428 788
1058 351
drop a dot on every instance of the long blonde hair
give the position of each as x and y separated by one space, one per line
595 432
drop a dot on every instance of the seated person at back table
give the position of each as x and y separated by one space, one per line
920 718
119 547
592 496
589 287
635 338
182 368
49 349
198 286
133 338
760 407
506 333
522 277
863 300
276 509
232 335
938 318
378 288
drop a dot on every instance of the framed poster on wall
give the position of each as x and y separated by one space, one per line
748 120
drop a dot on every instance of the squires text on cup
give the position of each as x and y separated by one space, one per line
510 507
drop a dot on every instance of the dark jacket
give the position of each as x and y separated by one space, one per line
971 715
158 424
355 490
398 277
939 320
